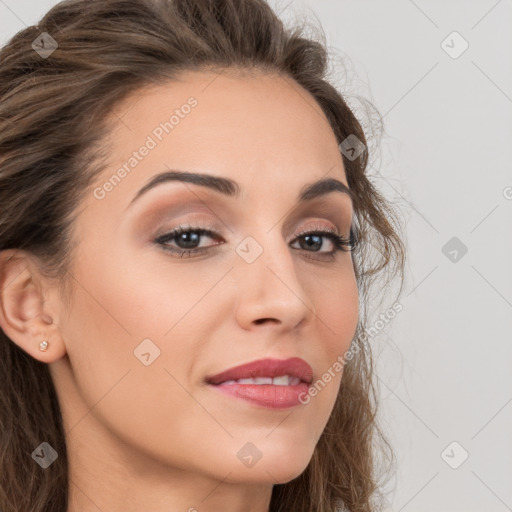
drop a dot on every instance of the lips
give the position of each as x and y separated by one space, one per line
294 367
266 383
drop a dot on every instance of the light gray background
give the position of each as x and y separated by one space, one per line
444 362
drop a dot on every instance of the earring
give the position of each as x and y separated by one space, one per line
43 346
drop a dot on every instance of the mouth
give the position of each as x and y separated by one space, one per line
268 383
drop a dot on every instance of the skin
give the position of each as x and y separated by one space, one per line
157 437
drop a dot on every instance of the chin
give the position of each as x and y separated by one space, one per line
278 467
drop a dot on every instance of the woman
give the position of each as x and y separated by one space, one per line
187 241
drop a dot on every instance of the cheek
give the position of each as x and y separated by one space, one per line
337 306
113 312
120 302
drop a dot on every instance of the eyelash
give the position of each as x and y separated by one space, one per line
340 242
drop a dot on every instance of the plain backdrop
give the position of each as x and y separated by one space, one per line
440 74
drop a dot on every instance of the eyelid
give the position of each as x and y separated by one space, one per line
316 226
189 224
214 227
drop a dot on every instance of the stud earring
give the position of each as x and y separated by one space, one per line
43 346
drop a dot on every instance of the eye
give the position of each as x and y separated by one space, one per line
187 240
313 240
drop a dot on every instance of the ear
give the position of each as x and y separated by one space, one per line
27 315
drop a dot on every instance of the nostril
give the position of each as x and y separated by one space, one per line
261 320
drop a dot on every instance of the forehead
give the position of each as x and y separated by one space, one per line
255 113
259 129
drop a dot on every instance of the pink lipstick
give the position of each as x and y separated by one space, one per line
270 383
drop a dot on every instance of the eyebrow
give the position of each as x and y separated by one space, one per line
231 188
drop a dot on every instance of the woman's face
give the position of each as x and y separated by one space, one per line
148 324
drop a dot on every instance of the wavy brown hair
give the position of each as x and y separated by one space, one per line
53 113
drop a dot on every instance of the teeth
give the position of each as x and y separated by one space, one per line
281 380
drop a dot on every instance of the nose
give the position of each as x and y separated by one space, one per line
270 291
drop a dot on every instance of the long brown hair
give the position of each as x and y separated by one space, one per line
53 109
